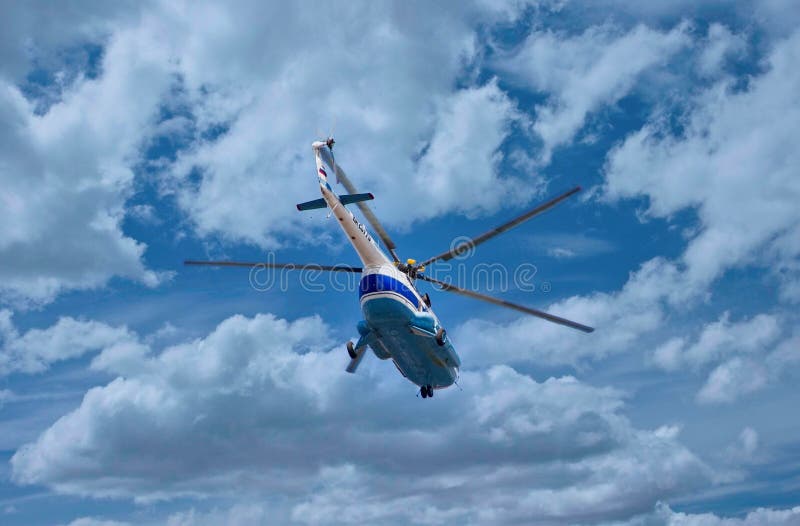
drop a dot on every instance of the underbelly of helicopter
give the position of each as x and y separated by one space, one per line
407 336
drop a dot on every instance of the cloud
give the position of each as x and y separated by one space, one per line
567 246
68 338
660 515
734 164
243 121
746 356
561 253
721 46
719 339
581 74
732 379
746 373
669 355
5 395
744 450
775 19
66 175
237 515
403 114
407 134
41 34
91 521
260 406
621 318
458 171
664 516
145 214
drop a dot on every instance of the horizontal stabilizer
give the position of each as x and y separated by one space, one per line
348 199
312 205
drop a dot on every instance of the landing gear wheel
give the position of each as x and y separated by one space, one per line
351 350
430 391
440 335
424 391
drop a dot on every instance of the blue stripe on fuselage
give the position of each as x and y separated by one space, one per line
383 283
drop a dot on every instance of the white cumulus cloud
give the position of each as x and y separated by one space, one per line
259 406
35 350
735 163
743 355
581 74
719 339
732 379
65 175
620 317
664 516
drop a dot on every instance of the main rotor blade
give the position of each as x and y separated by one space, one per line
262 264
471 243
367 211
504 303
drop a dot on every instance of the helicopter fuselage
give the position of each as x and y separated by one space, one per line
398 325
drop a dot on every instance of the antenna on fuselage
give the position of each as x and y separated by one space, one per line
329 143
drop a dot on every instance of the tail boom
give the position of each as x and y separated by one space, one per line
366 248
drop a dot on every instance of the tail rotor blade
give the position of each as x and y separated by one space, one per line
503 303
333 126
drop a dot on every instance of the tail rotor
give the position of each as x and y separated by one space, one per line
330 142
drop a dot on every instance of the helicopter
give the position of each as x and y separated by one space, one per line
399 323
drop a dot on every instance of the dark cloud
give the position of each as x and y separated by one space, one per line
240 412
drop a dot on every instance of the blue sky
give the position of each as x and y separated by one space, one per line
135 135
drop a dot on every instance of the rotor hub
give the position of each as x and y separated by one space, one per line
410 267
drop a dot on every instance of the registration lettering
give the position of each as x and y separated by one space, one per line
361 228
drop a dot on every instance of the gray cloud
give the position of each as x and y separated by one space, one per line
258 408
40 32
745 355
718 339
663 515
660 515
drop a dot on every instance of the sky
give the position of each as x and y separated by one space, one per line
134 390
